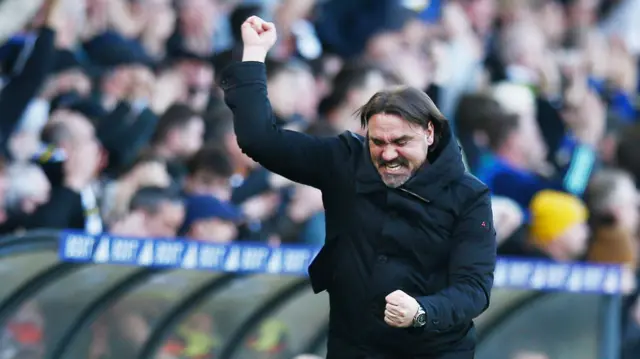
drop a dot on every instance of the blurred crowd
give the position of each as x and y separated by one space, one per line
112 120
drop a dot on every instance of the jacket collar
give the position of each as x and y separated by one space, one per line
444 166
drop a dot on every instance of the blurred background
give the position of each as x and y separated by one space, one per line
111 122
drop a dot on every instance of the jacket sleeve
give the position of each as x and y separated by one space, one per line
299 157
471 268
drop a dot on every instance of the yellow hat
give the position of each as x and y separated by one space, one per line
553 213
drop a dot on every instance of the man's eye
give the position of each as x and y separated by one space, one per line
377 142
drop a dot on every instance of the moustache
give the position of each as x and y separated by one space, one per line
396 161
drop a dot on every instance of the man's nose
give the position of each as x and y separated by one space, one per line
389 154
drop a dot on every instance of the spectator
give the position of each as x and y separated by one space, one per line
253 187
179 134
72 203
351 87
198 75
290 98
145 172
211 220
474 118
209 172
614 204
28 189
559 225
155 212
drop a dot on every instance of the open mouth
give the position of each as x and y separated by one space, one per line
392 167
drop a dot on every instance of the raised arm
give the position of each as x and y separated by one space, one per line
299 157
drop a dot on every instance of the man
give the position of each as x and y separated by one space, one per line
209 172
209 219
154 212
410 251
178 135
518 168
72 161
354 84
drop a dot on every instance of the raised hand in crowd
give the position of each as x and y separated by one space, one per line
623 67
585 112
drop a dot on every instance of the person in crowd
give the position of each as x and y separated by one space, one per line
614 204
289 91
72 162
559 228
147 171
518 167
28 189
354 84
209 219
154 212
475 116
254 189
376 185
178 135
209 172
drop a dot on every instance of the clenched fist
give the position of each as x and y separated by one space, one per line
258 36
400 310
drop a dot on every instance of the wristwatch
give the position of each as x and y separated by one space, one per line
420 319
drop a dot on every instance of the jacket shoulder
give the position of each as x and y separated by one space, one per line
353 143
470 189
352 140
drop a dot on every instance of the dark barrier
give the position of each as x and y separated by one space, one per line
131 298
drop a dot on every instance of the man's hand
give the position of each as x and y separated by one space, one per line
400 310
258 36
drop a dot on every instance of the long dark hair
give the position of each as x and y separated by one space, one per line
410 103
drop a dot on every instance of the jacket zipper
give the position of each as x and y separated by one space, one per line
415 195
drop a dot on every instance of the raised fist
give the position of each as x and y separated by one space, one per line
258 36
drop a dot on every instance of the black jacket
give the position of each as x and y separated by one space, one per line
432 238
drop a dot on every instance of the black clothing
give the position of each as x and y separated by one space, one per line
432 238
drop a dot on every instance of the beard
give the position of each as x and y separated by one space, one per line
394 173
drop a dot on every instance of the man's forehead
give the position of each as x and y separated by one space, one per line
392 127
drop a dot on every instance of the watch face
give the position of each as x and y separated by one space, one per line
421 319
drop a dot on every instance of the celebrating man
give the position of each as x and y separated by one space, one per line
410 250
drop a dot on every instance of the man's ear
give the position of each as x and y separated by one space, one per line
430 133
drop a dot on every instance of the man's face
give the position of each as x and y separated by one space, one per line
203 182
191 137
166 221
575 240
398 148
214 230
626 205
531 141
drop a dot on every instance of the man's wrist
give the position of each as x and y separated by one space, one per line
257 54
420 318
